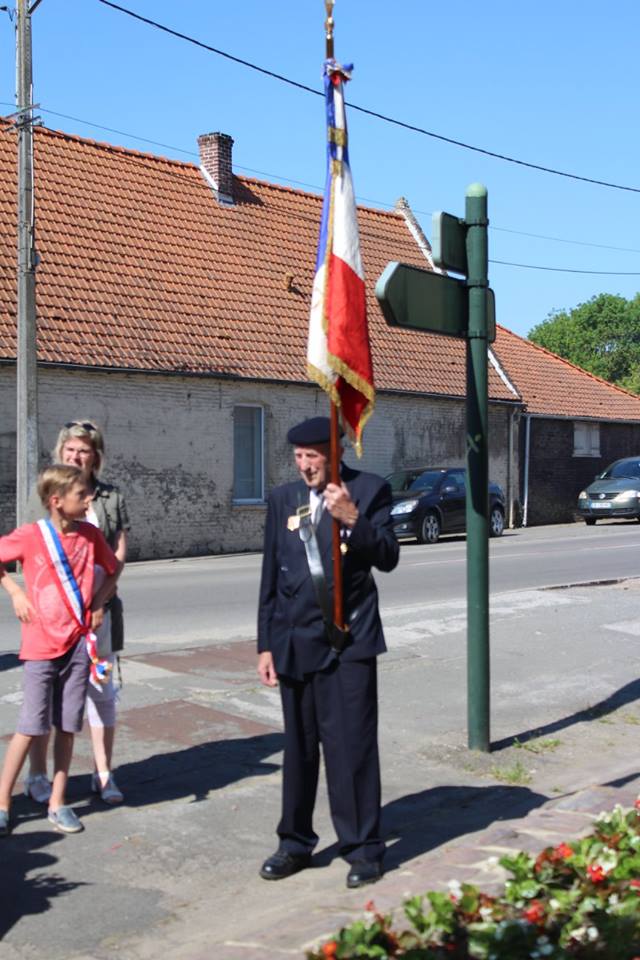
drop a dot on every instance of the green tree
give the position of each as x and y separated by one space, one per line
601 335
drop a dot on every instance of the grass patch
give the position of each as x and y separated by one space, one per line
517 773
538 746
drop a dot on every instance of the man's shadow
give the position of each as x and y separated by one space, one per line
620 698
22 895
419 822
192 772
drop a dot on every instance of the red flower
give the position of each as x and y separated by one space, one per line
370 906
596 873
636 886
329 949
637 803
534 913
564 850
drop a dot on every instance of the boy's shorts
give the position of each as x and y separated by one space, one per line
55 692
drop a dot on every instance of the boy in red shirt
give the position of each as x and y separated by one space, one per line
57 610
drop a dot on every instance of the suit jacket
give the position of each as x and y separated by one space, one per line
290 622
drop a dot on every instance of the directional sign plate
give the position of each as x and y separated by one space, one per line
449 242
423 300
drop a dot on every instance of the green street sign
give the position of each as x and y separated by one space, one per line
422 300
449 242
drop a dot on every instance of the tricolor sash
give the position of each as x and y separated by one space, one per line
72 599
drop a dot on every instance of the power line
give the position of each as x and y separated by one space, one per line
533 266
524 266
579 243
383 204
364 110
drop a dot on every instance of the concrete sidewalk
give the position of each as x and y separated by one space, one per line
174 870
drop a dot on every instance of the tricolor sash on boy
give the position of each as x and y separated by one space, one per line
338 350
72 599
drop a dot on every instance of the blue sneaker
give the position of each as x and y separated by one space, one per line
65 820
4 823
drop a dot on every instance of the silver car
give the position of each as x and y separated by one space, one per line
614 493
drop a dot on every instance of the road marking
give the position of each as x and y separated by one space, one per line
625 626
269 709
408 625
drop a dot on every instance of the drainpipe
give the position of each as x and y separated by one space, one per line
527 442
511 422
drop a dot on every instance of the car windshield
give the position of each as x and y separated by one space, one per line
426 481
413 481
401 481
625 468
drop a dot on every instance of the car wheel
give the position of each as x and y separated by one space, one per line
591 521
429 529
496 522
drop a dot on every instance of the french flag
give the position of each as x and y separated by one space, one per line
338 350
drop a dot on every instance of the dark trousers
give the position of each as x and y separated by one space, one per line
338 708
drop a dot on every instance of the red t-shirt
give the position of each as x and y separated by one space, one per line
54 631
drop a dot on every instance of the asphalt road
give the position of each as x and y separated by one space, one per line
214 599
174 870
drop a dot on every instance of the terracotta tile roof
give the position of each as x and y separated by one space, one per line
141 268
552 386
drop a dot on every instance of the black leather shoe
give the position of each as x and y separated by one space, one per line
364 871
281 865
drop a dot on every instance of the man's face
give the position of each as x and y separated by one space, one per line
313 465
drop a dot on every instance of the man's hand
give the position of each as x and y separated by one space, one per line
97 618
340 505
22 606
266 669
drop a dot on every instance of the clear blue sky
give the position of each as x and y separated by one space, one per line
551 83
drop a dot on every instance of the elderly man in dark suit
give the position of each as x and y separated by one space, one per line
329 697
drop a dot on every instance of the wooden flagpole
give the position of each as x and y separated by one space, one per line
335 425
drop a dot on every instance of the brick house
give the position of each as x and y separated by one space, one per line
572 425
172 304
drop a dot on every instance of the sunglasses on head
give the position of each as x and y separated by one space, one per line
89 427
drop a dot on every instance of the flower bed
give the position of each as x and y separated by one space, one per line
576 900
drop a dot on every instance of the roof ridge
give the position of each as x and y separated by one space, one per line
568 363
193 164
105 146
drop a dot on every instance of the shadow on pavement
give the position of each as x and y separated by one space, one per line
425 820
194 771
22 895
621 697
9 661
622 781
419 822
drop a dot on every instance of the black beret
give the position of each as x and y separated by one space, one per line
310 432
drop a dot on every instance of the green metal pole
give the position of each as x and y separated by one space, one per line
477 472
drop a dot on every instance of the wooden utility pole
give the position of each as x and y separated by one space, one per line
26 358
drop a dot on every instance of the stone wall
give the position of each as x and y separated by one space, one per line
169 446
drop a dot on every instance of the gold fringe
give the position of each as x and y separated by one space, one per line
338 365
337 136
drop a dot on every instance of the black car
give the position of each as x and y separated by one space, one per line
429 501
614 493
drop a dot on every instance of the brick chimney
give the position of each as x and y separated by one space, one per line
216 165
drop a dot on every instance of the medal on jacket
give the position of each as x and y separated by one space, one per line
293 522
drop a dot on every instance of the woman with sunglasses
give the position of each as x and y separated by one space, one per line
81 444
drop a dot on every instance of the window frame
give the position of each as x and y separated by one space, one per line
261 479
591 445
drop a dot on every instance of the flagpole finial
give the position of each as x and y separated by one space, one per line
328 27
